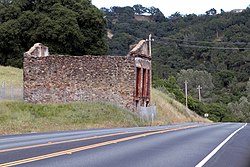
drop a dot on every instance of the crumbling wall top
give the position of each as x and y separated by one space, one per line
37 50
140 50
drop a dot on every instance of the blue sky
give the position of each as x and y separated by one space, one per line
169 7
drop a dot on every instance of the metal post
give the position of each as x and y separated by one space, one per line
186 94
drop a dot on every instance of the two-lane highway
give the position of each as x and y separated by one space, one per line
184 145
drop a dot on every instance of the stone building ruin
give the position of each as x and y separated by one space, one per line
38 50
121 80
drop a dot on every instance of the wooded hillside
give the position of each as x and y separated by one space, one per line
210 50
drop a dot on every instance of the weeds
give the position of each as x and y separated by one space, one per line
21 117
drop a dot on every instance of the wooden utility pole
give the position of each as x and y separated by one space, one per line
149 40
199 90
150 44
186 94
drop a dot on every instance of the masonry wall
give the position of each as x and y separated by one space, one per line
56 79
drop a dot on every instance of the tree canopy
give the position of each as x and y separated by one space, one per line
73 27
211 50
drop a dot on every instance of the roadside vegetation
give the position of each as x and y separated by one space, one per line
11 76
209 50
171 111
21 117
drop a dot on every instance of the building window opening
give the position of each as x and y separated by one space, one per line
148 84
138 82
144 83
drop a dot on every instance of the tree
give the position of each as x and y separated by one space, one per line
175 16
5 2
139 9
125 14
67 27
198 42
226 78
211 12
170 87
194 79
240 110
248 90
216 112
120 43
158 16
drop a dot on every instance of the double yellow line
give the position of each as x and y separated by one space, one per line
70 151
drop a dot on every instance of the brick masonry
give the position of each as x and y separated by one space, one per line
62 78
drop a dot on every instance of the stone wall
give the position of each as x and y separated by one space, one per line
56 78
122 80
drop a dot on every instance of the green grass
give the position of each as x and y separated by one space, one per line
21 117
11 76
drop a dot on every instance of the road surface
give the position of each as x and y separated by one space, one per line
179 145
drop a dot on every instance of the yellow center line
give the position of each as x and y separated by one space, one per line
73 140
61 142
70 151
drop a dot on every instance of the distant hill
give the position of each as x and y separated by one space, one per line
210 44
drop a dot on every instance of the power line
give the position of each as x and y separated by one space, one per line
212 47
209 42
205 47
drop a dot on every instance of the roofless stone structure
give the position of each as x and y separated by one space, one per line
122 80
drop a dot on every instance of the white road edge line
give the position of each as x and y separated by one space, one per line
209 156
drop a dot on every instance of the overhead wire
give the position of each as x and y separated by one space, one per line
179 43
210 42
212 47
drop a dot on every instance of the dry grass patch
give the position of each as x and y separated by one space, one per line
171 111
11 76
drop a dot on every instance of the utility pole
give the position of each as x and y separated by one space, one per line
186 94
149 40
150 44
199 90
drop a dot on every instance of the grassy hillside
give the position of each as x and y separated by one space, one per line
210 50
11 75
21 117
171 111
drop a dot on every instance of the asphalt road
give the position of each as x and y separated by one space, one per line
180 145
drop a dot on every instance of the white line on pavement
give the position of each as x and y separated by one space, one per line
209 156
